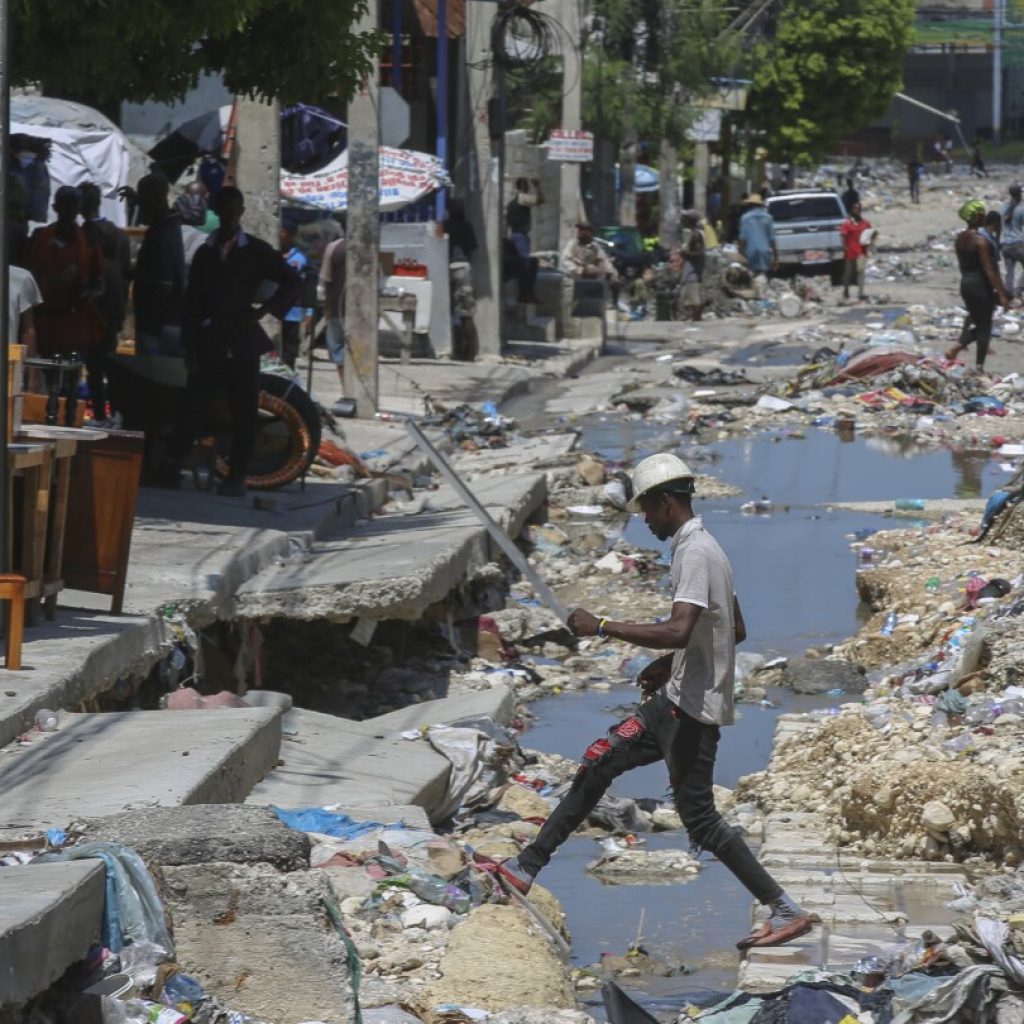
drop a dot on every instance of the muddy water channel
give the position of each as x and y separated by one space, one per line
795 578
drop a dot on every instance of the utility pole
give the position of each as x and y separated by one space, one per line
668 194
484 205
362 291
701 170
570 206
627 160
998 23
258 167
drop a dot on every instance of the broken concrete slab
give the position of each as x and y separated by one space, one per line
395 567
261 941
497 703
328 760
49 917
201 833
97 765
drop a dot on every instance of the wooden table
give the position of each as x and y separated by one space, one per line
65 444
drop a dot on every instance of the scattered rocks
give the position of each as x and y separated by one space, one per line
645 867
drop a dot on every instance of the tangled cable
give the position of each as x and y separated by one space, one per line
523 38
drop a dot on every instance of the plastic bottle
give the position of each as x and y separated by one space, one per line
890 624
46 720
910 504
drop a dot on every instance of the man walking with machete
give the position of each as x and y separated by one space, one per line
688 696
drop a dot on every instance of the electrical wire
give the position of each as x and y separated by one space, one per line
525 39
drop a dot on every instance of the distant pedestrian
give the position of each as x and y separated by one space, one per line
914 171
222 335
68 268
117 269
850 196
980 284
1013 239
298 318
757 240
855 251
693 253
977 160
461 246
331 287
947 153
519 221
687 700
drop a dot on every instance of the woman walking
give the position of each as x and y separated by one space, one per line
981 286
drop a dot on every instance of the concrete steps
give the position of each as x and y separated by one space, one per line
99 765
95 765
49 917
396 566
367 767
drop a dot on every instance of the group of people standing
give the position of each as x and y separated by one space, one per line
69 292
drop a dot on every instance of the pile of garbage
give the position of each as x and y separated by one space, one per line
471 427
931 765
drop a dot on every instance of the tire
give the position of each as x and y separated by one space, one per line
287 438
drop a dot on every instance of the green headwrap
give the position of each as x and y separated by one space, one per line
971 209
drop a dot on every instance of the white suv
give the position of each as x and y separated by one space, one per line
807 234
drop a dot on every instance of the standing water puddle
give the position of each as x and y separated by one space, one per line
795 579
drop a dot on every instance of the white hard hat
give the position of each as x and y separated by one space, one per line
653 472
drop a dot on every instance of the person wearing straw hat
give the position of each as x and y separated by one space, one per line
757 240
688 697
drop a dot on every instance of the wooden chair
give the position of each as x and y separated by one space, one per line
12 589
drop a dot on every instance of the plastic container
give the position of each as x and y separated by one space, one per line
46 720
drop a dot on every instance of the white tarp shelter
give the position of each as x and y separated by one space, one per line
405 176
86 147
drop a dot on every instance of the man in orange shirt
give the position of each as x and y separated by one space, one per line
855 251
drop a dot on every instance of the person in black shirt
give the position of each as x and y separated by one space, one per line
117 264
461 246
850 196
221 332
159 271
519 220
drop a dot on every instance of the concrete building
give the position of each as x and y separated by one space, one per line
950 67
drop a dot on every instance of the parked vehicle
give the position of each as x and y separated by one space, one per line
807 223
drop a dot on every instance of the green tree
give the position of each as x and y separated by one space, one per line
831 68
157 49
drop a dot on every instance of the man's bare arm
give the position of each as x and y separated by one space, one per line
671 635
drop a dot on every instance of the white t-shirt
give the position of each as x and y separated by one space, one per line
23 294
704 672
